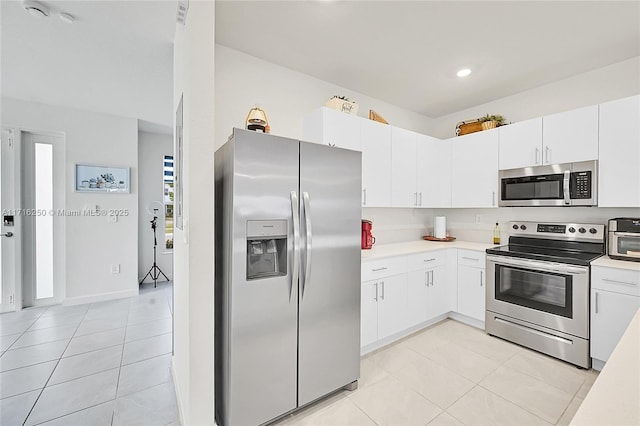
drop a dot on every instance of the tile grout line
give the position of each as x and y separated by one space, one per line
23 333
514 403
73 412
52 371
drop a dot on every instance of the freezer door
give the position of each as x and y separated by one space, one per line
329 317
263 315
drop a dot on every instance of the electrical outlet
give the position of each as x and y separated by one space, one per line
478 219
115 268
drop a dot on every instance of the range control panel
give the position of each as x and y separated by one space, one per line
560 231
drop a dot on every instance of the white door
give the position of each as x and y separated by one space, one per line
521 144
570 136
417 296
438 301
9 242
611 314
433 172
369 313
471 292
392 305
43 201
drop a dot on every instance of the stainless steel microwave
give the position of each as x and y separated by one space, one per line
569 184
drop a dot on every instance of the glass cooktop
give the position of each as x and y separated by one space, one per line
572 257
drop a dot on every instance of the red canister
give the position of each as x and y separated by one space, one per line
368 240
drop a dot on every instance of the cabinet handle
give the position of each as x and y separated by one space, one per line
431 273
429 260
546 154
415 198
470 258
420 198
426 278
364 197
481 276
493 198
537 156
619 282
596 302
384 268
382 296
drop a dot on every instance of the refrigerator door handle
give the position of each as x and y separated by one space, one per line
309 234
296 239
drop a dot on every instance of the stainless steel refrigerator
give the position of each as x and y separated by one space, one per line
287 287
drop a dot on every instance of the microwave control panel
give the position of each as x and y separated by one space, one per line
580 185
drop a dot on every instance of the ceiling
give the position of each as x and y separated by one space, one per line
117 58
407 52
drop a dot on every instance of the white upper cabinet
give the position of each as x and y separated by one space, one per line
403 168
474 170
619 165
433 172
376 163
570 136
330 127
521 144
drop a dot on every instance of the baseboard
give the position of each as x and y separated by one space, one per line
467 320
596 364
177 391
101 297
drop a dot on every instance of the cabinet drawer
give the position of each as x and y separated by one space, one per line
471 258
426 260
383 268
618 280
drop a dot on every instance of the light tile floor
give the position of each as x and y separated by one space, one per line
453 374
104 363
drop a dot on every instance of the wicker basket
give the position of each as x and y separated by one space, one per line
342 105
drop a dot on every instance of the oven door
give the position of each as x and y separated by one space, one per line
625 245
549 294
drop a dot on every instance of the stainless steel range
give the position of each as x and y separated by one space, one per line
538 287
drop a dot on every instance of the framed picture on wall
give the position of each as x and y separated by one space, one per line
102 179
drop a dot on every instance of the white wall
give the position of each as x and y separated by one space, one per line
244 81
152 147
194 55
92 243
604 84
394 225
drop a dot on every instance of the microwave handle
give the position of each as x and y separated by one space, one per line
566 187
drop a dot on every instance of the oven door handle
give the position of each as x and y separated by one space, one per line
566 187
547 267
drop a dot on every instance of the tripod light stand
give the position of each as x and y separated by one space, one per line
155 271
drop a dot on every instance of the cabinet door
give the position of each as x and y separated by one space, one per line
438 300
341 129
611 313
392 305
376 164
474 165
521 144
417 286
433 172
403 168
471 292
570 136
619 159
368 314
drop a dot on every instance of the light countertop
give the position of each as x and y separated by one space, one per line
399 249
607 262
614 398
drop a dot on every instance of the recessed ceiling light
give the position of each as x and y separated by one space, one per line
463 72
35 8
65 17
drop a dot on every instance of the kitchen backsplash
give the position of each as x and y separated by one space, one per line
393 225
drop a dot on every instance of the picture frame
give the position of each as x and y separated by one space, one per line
102 179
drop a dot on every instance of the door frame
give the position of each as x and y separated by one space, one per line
14 137
57 140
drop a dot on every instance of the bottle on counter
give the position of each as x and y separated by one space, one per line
496 234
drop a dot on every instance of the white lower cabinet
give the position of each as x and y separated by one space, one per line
471 284
615 298
384 308
428 289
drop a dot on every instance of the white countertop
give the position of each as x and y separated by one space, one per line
608 262
399 249
614 398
